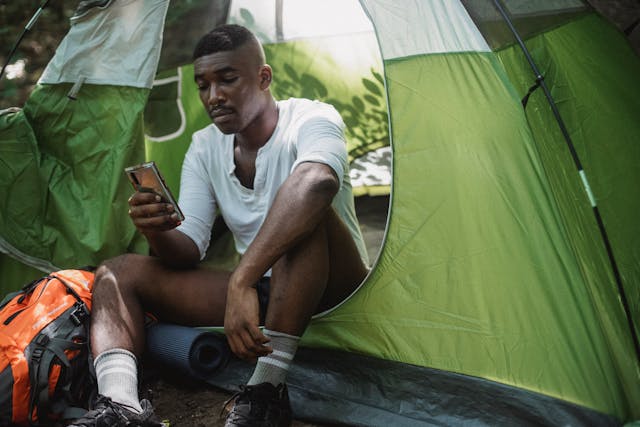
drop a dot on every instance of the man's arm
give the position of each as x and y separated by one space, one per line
300 204
297 209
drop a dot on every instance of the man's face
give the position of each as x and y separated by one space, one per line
229 84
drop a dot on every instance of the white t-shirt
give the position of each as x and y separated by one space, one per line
307 131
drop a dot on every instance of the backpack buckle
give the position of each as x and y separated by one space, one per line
42 340
79 314
37 354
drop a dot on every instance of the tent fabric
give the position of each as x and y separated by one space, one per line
15 274
430 27
491 269
184 25
63 202
486 10
604 138
64 196
485 233
329 386
82 53
530 17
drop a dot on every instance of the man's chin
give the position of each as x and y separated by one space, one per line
225 128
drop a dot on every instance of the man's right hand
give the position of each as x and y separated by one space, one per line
150 214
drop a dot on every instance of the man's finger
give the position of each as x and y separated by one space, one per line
259 339
259 349
233 345
144 198
152 211
249 348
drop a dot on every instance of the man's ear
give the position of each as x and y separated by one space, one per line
266 75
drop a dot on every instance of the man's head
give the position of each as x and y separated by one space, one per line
226 38
232 77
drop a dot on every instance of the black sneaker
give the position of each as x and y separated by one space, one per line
107 413
260 405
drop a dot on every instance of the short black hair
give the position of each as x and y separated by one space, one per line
222 39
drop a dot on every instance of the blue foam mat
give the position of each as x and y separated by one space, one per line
192 351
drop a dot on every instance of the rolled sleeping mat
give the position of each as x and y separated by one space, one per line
192 351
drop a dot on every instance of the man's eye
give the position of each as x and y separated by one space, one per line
229 79
202 87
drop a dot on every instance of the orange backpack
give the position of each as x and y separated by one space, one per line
45 367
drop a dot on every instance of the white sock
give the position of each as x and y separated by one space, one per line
274 367
117 374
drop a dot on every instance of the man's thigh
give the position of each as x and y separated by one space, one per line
194 297
346 269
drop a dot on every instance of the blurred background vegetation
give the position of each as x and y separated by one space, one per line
35 50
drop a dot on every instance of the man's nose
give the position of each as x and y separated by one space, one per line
216 95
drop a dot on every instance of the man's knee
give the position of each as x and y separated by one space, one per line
119 273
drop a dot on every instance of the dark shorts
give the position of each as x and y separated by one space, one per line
262 287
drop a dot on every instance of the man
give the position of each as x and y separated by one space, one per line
278 174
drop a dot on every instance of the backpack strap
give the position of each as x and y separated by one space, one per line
42 356
46 349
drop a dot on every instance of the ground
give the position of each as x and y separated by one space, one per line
186 404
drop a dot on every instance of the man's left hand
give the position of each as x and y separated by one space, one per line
241 321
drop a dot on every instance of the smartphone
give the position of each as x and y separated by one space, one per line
146 177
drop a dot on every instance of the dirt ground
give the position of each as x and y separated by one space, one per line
186 404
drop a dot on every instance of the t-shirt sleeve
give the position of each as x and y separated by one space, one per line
197 201
321 140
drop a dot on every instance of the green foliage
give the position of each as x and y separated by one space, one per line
297 74
366 117
247 20
362 105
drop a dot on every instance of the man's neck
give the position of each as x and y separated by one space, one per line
258 133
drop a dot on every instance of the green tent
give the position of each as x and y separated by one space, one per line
507 290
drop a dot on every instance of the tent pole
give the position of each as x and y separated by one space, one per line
279 30
554 108
26 29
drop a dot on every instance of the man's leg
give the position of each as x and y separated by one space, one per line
124 288
318 273
127 286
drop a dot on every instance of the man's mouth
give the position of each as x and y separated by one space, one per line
219 112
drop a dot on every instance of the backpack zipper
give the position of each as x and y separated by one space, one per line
28 289
13 316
